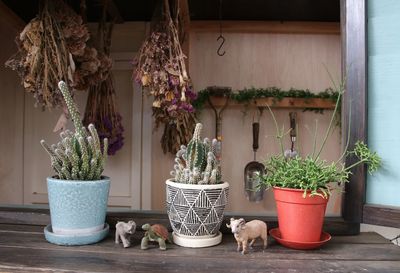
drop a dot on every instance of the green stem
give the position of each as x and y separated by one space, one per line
277 131
315 138
348 138
332 118
355 164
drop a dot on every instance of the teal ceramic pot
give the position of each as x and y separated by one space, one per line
77 207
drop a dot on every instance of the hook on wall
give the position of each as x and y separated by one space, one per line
220 37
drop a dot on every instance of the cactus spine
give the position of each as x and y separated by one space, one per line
78 156
199 162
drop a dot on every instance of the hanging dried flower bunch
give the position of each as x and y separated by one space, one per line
101 107
101 111
52 47
160 68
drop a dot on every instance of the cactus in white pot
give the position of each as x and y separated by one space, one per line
196 195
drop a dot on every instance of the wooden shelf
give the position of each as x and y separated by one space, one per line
24 249
332 28
314 103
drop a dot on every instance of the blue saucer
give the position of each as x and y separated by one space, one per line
75 240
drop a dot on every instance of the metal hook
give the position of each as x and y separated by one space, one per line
220 46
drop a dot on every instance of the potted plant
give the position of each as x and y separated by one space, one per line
78 193
196 196
302 185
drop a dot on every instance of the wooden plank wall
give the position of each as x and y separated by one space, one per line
252 59
259 60
11 114
125 167
26 166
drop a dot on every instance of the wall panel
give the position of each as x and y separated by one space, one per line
124 168
259 60
11 116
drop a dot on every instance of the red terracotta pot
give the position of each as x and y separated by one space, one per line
300 219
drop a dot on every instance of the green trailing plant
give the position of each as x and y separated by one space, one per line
199 161
310 173
79 155
248 95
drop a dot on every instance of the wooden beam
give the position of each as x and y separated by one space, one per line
295 27
41 217
314 103
354 62
381 215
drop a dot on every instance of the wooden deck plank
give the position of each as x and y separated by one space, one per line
366 238
35 217
153 262
331 251
40 216
21 228
29 269
23 248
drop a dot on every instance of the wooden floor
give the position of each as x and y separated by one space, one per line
24 249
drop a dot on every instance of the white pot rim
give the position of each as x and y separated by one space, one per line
196 186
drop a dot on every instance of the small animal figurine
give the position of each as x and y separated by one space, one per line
155 233
244 232
123 232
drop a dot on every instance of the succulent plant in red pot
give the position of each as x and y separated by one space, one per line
302 185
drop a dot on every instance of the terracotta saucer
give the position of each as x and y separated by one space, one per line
276 234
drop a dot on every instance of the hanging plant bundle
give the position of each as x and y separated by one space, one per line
101 109
160 69
102 112
52 47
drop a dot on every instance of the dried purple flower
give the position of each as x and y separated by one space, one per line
161 57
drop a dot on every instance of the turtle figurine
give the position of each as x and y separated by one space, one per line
155 233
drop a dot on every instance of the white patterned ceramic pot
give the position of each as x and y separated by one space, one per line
196 212
78 208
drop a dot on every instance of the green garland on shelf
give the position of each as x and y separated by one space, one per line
247 95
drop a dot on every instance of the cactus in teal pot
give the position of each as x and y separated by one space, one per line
199 162
79 155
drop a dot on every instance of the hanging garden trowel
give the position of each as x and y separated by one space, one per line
253 171
290 153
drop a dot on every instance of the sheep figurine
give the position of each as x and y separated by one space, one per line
244 232
123 232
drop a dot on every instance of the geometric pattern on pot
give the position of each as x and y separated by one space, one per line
196 212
